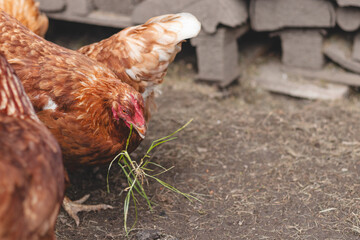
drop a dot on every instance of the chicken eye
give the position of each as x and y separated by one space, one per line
124 111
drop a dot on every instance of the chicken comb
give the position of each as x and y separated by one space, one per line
13 99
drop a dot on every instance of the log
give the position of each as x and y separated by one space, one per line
338 49
356 48
271 77
217 55
270 15
302 48
346 3
125 7
79 7
52 5
330 73
348 18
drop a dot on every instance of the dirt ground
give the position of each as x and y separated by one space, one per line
264 166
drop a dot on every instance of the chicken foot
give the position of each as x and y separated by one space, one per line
74 207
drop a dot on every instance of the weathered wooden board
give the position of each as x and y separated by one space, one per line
52 5
302 48
270 76
210 13
328 74
348 18
338 49
115 6
345 3
217 55
356 47
269 15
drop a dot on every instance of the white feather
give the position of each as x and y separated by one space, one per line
51 105
190 26
130 73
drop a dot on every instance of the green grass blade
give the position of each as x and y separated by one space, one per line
157 165
184 126
155 144
108 172
126 210
188 196
136 173
128 139
144 195
136 211
166 139
133 181
164 171
147 169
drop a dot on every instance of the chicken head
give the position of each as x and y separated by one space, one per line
130 109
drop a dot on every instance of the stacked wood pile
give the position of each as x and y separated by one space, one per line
112 13
303 27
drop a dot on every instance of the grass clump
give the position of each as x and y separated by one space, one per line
138 173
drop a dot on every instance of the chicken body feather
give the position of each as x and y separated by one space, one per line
27 12
31 168
73 95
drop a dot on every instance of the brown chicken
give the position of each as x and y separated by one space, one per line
27 12
140 55
83 104
31 168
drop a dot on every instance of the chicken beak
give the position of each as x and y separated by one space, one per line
141 130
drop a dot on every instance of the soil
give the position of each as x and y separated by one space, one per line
264 166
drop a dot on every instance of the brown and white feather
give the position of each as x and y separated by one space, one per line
31 168
13 99
140 55
27 12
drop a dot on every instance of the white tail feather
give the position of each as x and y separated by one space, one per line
185 26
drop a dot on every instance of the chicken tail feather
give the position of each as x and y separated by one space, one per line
184 25
140 55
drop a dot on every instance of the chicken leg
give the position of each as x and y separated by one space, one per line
74 207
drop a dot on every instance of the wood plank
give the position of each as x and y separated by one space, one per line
269 15
348 18
302 48
346 3
217 55
97 18
271 77
356 48
338 49
330 73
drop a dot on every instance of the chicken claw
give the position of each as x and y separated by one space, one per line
73 207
